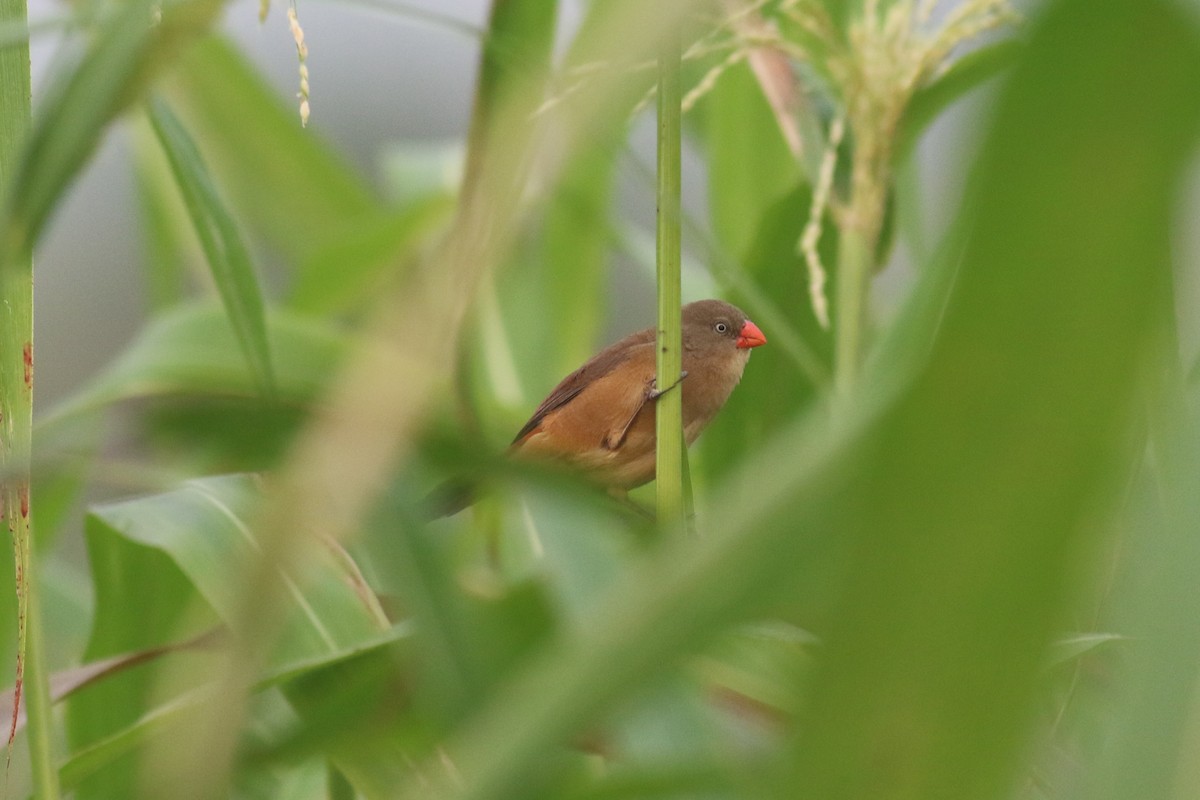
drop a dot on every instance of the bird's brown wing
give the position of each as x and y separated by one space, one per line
598 367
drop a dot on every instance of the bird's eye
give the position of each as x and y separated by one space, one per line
721 327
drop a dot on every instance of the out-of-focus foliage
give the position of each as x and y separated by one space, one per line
949 554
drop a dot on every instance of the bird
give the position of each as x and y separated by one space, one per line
600 419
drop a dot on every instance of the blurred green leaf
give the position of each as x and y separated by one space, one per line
228 257
97 758
165 250
1146 743
281 180
750 167
350 712
574 255
205 529
130 47
191 350
195 543
350 271
981 483
142 599
965 75
466 640
1072 648
774 391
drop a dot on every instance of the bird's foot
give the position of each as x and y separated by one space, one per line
622 498
654 393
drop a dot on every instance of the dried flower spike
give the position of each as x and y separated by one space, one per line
302 54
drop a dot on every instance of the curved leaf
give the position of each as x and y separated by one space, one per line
966 74
191 350
227 255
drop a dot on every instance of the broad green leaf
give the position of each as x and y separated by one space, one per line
750 167
281 180
293 781
1071 648
981 491
350 271
228 257
191 350
129 48
122 577
205 529
337 712
1147 743
96 759
195 545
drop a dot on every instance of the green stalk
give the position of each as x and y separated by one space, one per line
854 269
16 411
859 228
669 406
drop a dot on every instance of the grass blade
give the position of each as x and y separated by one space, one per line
228 257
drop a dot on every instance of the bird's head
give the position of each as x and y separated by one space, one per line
714 322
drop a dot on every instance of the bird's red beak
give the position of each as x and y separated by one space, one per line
750 336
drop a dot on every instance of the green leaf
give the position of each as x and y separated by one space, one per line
167 252
228 257
205 529
574 256
281 180
131 46
350 271
466 641
980 492
191 350
750 166
1149 723
194 546
774 390
1072 648
98 756
964 76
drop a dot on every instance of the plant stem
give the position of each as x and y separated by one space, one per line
854 269
669 406
16 412
859 227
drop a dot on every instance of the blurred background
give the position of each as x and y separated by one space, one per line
389 80
961 559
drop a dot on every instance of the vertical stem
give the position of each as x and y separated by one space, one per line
669 408
859 228
854 267
16 412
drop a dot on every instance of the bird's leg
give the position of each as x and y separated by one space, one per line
622 497
654 394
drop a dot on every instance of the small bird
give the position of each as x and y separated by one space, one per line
600 418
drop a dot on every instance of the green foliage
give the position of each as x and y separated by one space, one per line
968 574
228 257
